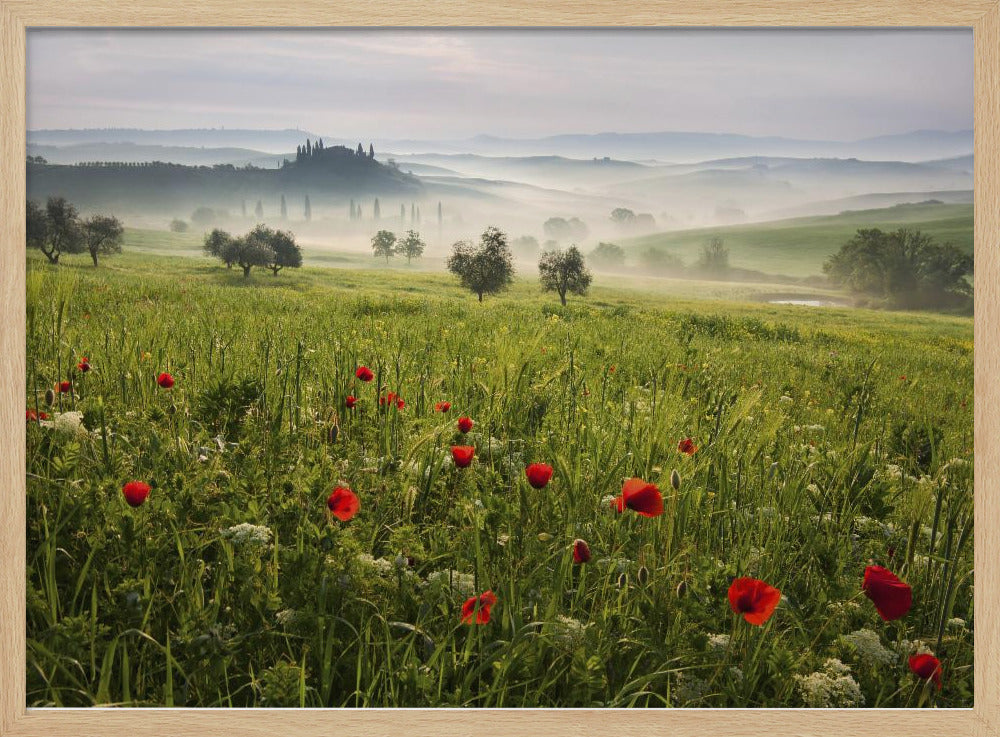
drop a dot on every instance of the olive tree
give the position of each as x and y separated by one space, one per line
564 272
411 246
486 268
103 234
384 244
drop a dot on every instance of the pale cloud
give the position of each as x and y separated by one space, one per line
391 83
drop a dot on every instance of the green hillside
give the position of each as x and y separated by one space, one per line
799 246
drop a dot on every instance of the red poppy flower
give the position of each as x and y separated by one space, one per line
926 667
350 402
463 455
165 380
611 369
364 373
343 503
442 406
65 387
618 504
687 447
538 475
476 609
400 404
31 416
754 599
84 365
135 493
891 597
581 551
465 424
642 497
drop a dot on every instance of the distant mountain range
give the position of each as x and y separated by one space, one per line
665 146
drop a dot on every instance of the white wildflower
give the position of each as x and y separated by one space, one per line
376 566
568 632
718 642
688 689
247 535
831 687
869 647
463 584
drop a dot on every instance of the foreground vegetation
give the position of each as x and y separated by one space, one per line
820 441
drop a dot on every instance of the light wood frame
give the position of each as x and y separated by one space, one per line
983 16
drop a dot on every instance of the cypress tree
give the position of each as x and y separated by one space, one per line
260 210
284 208
376 211
308 210
308 148
371 151
352 210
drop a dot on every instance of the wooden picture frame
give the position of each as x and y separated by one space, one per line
983 16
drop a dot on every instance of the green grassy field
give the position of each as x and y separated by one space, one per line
800 246
827 439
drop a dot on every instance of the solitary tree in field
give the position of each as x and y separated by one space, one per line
714 258
623 217
308 213
259 211
216 246
561 229
656 261
284 208
487 268
56 230
384 244
280 245
103 234
247 253
36 226
563 272
608 255
411 246
525 246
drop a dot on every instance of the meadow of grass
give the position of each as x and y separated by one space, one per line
826 440
800 246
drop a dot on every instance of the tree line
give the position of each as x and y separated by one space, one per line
57 229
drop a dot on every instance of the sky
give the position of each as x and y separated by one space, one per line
452 84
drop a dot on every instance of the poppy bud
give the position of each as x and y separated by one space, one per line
332 432
642 575
50 397
681 590
172 409
623 581
675 480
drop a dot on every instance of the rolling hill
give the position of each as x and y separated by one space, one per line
799 246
